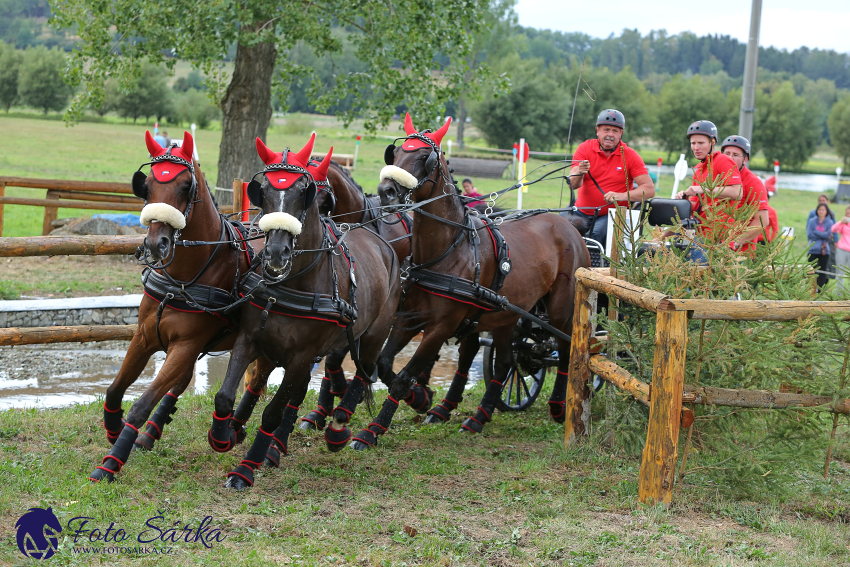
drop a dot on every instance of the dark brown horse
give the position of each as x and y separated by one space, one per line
186 284
545 251
345 202
316 292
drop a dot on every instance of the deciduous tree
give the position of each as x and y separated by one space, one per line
10 65
397 40
681 102
40 81
839 129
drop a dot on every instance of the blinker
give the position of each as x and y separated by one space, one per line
255 193
389 154
140 189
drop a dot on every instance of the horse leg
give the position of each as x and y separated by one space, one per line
179 363
338 433
502 345
280 441
333 384
138 354
297 376
166 408
253 389
221 435
400 386
469 347
558 399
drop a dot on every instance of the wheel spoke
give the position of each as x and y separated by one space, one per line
525 387
510 389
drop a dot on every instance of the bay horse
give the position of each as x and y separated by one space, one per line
458 251
316 291
344 200
184 286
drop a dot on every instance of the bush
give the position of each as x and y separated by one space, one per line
40 83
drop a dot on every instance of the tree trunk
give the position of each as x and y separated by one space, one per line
461 121
246 111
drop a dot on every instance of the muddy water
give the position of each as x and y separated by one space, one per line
47 376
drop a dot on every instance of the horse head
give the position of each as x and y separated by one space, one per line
169 192
285 193
411 165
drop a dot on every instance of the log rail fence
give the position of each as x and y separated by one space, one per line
18 247
668 390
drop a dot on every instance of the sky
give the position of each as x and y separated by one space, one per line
784 23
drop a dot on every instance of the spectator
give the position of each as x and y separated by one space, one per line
842 252
470 191
819 231
831 262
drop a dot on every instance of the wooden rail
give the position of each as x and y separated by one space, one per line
76 334
14 247
668 391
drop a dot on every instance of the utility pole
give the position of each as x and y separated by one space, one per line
748 96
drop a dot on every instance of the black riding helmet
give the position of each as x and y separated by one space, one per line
738 142
704 127
611 117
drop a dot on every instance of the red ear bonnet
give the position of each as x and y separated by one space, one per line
166 171
282 179
412 144
320 171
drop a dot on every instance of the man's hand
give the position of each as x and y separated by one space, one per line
613 197
583 167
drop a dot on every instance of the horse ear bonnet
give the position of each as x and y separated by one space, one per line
140 190
255 193
389 154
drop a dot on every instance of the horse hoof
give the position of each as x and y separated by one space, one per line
438 415
144 442
336 439
236 483
100 473
272 459
358 445
313 421
471 425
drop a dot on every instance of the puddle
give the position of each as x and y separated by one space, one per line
49 376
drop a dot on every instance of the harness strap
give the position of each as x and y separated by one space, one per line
159 310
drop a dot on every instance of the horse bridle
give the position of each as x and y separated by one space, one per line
140 190
432 163
255 196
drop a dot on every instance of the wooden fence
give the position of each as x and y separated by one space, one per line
95 195
668 390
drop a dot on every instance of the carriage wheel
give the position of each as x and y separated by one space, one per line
523 384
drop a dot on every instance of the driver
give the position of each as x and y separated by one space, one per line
613 169
754 193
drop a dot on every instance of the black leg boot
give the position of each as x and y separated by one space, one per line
117 456
443 412
113 423
243 475
161 417
557 401
281 437
243 413
317 419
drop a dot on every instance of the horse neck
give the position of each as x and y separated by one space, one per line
432 237
351 202
204 224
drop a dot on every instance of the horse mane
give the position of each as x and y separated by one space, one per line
351 179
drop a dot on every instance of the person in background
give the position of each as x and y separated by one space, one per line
738 148
812 214
469 190
842 248
819 231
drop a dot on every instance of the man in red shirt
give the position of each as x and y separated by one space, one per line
754 193
612 168
703 137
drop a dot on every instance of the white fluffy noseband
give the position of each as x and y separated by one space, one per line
399 175
280 221
161 212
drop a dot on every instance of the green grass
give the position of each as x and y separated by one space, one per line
511 496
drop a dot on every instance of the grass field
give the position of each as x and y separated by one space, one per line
428 496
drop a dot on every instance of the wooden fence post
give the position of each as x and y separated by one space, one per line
578 392
658 465
237 198
2 194
50 214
